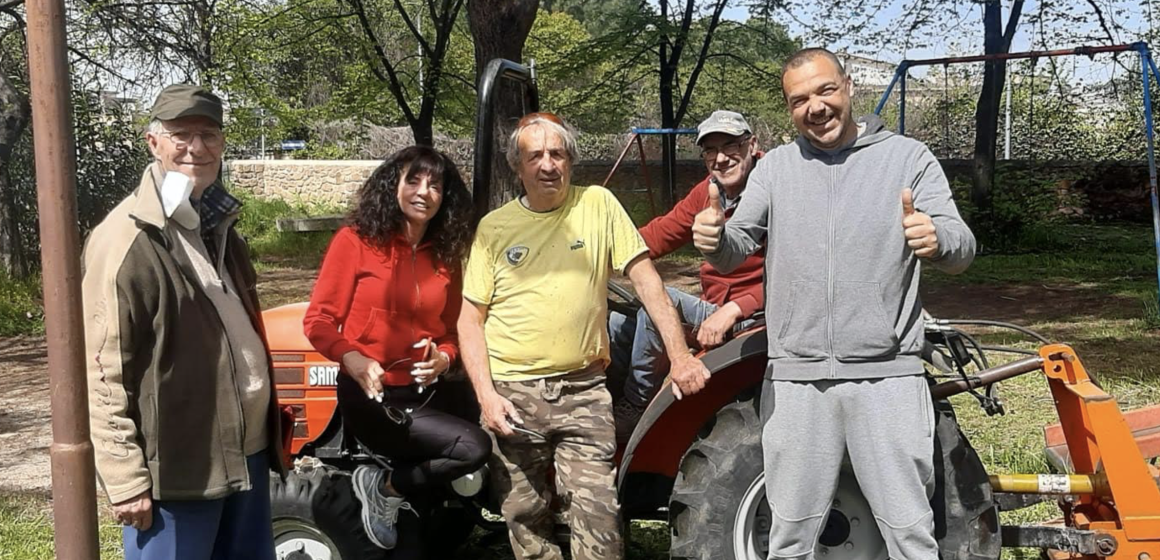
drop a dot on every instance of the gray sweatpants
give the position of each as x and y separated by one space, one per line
887 427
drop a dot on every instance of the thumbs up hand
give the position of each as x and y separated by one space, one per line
709 222
918 228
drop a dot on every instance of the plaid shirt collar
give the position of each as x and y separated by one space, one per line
216 205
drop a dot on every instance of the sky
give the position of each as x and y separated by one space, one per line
1128 19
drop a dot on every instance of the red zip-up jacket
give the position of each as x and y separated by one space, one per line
665 234
380 302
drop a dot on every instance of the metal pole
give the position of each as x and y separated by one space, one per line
73 473
1146 67
902 105
889 88
1086 51
669 157
1007 133
986 377
652 204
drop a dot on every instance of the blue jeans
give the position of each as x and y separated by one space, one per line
637 346
237 526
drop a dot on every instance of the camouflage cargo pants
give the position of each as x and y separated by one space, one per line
574 413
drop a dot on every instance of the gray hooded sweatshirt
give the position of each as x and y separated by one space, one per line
841 284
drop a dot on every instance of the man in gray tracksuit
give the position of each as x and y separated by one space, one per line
850 212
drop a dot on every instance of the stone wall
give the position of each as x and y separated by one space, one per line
305 181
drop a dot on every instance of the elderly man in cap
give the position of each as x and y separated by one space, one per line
728 300
182 405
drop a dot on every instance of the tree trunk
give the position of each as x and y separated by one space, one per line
423 132
499 29
14 114
995 40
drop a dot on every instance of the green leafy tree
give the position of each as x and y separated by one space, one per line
305 70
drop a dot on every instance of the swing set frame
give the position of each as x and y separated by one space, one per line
1148 73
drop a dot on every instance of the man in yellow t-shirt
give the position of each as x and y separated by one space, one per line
534 341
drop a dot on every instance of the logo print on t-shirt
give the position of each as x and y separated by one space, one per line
515 255
579 244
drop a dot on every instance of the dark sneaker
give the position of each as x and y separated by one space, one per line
379 513
626 415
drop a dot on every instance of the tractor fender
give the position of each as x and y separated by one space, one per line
668 426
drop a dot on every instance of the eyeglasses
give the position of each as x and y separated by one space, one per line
212 139
731 148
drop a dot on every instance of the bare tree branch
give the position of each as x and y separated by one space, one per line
1102 20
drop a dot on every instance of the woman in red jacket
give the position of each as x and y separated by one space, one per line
385 307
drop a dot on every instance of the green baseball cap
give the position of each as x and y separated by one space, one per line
185 100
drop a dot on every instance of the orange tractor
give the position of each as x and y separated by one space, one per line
697 462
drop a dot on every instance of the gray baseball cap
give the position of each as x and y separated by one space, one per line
184 100
726 122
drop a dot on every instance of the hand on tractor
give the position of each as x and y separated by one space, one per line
367 372
434 363
136 512
688 374
713 330
918 228
499 414
709 222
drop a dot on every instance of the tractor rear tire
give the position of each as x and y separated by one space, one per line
317 517
715 475
718 509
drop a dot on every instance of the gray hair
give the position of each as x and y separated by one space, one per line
563 131
155 127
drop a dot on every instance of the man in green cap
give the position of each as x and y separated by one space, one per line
181 396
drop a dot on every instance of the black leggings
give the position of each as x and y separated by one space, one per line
439 444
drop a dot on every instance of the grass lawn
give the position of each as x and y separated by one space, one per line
26 529
1093 287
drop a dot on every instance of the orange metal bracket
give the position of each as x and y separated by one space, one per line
1099 439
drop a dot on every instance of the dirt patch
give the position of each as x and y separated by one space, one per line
285 285
1027 304
25 418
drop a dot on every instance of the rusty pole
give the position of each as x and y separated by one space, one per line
73 473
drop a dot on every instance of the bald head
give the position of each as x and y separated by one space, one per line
805 56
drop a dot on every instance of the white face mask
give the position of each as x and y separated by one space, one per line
175 190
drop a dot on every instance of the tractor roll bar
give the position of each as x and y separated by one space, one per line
485 122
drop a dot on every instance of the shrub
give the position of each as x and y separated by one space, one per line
1025 206
21 312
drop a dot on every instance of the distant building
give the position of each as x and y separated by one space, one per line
870 74
113 101
874 76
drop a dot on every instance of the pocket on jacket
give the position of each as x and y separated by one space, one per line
375 327
861 330
803 331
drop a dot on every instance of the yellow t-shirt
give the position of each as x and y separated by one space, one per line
544 278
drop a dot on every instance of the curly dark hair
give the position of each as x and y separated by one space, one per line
377 217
